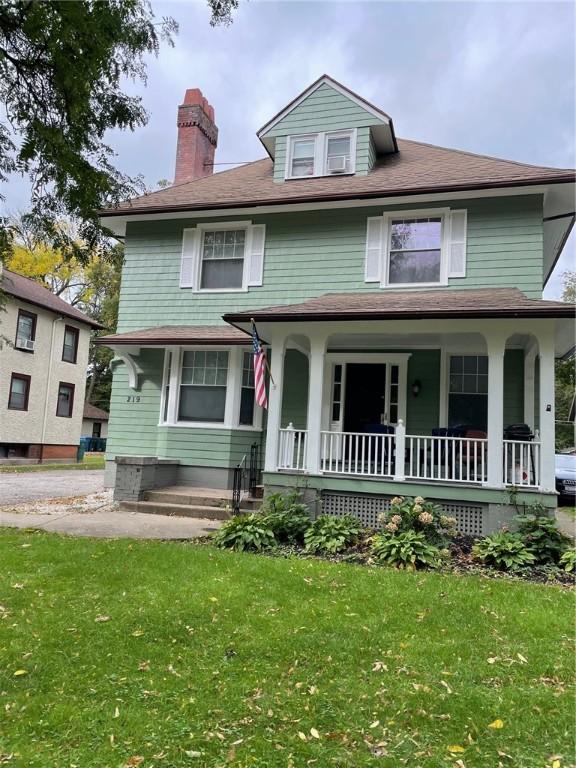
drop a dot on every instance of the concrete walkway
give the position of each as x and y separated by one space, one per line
109 524
566 522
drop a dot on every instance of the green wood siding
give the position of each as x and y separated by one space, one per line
422 412
513 386
295 390
324 110
364 152
316 252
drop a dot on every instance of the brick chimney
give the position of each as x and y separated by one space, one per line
197 138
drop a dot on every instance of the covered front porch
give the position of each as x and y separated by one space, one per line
455 404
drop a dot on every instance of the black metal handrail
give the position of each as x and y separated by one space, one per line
238 485
254 471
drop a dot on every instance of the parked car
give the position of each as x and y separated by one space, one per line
566 476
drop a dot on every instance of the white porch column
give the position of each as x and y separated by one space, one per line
546 409
529 382
278 347
496 344
315 391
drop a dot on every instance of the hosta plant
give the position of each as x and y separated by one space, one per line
245 533
332 534
420 516
568 561
503 550
409 550
542 537
286 517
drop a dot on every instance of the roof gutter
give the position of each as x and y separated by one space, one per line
282 317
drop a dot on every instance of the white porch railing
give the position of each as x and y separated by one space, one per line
412 457
522 463
292 448
357 453
447 459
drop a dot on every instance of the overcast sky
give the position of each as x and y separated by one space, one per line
493 78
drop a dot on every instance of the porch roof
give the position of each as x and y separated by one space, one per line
411 305
164 335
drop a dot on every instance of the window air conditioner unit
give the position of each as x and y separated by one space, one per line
337 164
23 343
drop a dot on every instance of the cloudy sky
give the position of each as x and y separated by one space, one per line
493 78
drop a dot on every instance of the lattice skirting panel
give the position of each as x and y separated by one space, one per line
469 517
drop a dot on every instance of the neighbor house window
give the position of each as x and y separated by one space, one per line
65 404
223 259
415 251
321 154
97 429
247 394
203 386
468 391
70 348
26 330
19 392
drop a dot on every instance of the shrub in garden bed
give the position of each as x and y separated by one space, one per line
542 537
245 533
408 549
286 517
504 550
332 534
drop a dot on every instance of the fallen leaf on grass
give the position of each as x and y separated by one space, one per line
134 761
379 666
192 753
496 725
20 672
523 659
302 736
102 619
314 733
455 748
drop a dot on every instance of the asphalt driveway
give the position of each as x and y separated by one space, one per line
36 486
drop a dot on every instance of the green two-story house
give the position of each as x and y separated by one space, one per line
397 287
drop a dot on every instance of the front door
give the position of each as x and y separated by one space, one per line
365 397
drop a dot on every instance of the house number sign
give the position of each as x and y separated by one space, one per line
133 399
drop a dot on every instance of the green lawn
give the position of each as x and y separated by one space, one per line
188 656
92 461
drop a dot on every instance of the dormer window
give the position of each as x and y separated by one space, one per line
338 159
303 156
321 154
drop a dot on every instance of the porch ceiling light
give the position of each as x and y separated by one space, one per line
416 387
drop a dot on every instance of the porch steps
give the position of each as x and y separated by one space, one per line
182 501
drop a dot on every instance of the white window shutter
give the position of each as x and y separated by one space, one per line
190 249
256 255
458 228
374 233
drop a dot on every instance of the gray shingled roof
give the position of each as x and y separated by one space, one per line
412 305
416 168
28 290
178 334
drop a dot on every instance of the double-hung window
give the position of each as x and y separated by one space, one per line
26 331
222 259
19 392
303 157
203 380
468 391
415 251
65 404
248 392
321 154
70 346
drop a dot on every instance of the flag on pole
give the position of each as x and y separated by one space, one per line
259 356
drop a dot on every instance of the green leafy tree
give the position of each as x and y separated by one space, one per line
63 68
566 380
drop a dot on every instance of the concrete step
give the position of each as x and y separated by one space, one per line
205 512
200 497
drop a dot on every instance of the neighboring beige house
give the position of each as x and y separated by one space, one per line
95 422
43 360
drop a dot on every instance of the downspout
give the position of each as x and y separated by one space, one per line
48 382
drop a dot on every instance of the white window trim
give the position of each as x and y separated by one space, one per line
444 214
233 391
224 226
320 151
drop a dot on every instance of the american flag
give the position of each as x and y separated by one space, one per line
259 366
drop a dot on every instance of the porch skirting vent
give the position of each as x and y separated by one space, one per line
367 508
